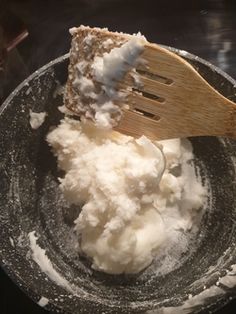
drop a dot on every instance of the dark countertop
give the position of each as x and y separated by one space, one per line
205 28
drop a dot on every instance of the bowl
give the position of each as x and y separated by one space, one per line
33 213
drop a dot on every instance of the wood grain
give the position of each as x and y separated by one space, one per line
180 105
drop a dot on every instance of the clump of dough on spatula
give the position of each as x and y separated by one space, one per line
99 59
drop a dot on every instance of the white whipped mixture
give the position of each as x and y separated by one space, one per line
131 204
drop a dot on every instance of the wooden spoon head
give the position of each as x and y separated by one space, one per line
171 99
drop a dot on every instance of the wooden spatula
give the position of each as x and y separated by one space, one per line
173 100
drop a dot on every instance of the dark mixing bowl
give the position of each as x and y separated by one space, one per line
30 200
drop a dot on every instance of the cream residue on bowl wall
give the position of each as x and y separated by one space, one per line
36 119
40 257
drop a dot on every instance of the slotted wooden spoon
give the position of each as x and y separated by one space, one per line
173 100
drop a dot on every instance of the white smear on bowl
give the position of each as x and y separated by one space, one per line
40 257
36 119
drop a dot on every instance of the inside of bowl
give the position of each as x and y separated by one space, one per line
31 201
